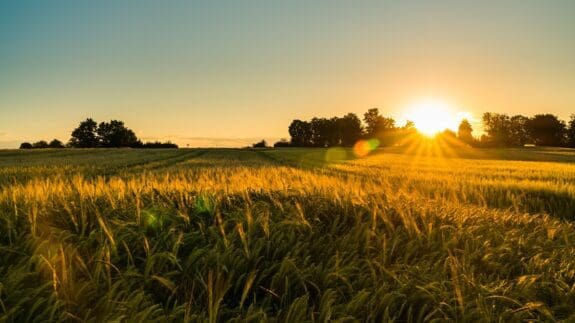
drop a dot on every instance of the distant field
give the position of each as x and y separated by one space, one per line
287 235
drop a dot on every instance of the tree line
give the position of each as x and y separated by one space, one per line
501 130
346 131
90 134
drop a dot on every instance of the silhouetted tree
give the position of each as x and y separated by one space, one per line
350 129
333 132
85 135
40 144
301 133
55 143
158 144
320 128
115 134
518 132
571 132
282 143
260 144
26 145
380 127
464 132
547 130
371 119
497 127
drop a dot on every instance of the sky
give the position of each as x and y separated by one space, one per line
225 73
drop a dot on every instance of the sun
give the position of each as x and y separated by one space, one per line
433 116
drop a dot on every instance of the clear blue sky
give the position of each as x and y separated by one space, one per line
227 70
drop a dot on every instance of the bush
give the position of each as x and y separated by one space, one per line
157 144
282 143
261 144
26 145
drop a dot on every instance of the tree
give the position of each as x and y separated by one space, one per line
282 143
320 132
115 134
301 133
497 128
380 127
55 144
464 132
85 135
260 144
26 145
333 132
518 132
40 144
547 130
371 119
158 144
350 129
571 132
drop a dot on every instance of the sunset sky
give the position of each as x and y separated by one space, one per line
226 72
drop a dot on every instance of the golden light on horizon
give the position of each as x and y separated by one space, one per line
432 116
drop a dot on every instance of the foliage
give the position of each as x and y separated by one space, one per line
571 132
282 143
158 144
516 131
547 130
464 132
26 145
85 136
55 143
40 144
115 134
107 134
284 235
260 144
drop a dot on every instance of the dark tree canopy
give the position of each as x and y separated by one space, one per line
571 132
282 143
260 144
346 131
301 133
375 124
158 144
496 127
350 129
518 133
547 130
40 144
107 134
115 134
85 136
55 143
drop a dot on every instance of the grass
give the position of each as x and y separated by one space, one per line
286 235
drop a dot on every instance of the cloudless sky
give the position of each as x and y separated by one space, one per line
211 72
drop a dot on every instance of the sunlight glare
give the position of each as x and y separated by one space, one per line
433 116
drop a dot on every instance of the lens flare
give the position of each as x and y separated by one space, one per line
362 148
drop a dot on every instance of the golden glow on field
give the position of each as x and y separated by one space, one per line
433 116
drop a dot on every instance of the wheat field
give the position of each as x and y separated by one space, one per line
287 235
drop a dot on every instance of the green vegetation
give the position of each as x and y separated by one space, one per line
287 235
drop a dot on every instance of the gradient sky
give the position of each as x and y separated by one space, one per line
225 72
